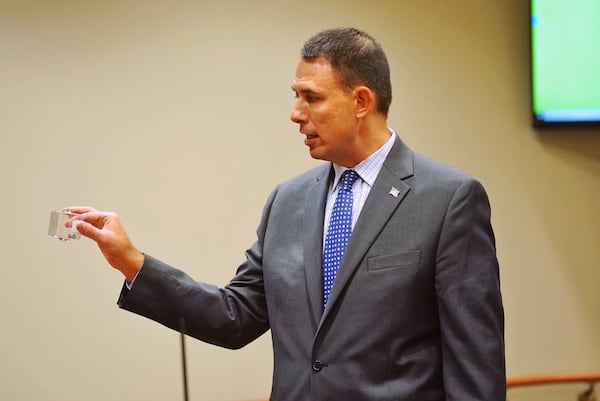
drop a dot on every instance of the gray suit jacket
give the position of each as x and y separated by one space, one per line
415 313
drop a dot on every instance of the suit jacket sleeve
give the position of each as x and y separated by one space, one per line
229 317
469 301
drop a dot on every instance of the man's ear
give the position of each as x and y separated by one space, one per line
365 100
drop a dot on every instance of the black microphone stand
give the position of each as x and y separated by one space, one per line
183 361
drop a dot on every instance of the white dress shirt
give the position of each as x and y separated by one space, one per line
367 170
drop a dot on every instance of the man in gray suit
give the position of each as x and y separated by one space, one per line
414 311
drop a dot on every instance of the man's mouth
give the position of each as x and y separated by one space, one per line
310 139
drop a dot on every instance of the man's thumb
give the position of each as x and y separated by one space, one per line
86 229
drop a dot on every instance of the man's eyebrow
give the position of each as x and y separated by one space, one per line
305 91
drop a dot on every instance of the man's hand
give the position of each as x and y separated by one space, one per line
106 230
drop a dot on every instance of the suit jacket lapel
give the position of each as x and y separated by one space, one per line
316 198
387 193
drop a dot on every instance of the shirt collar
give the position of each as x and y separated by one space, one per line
369 168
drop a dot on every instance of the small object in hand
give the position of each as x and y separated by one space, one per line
58 228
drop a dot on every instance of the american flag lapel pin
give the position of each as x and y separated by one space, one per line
394 192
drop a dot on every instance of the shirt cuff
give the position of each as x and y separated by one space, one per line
129 284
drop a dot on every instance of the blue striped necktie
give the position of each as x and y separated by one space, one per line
338 232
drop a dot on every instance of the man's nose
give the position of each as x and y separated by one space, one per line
297 114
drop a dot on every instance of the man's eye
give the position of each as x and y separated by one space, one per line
307 97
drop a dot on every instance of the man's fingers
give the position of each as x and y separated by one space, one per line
79 209
97 219
89 222
87 230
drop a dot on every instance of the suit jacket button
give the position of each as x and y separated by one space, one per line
317 365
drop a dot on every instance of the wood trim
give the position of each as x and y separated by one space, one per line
518 381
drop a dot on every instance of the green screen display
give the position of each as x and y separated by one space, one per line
565 60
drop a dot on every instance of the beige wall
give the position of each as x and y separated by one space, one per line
174 112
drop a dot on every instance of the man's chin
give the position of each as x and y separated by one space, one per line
315 153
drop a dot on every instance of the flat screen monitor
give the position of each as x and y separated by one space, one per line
565 62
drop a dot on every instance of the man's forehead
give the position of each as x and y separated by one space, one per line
313 74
